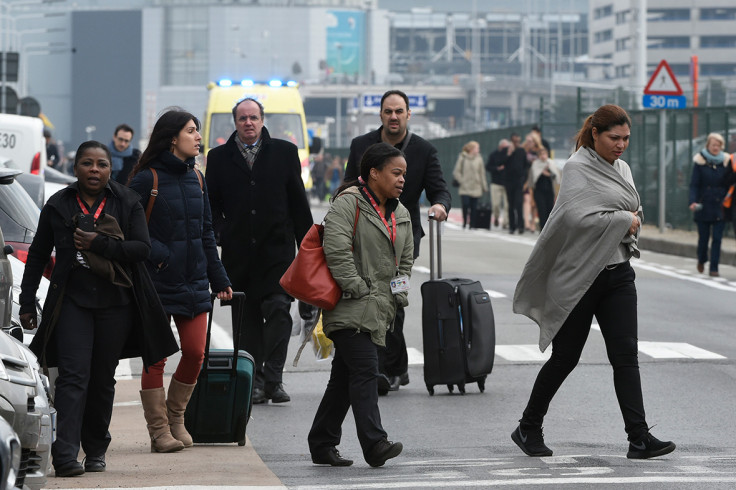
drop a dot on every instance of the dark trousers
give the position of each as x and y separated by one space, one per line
352 384
612 300
515 197
266 336
544 197
470 210
704 228
89 343
393 359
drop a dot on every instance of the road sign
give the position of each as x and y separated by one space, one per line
417 103
663 81
664 102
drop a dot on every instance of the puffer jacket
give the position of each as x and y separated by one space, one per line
471 173
184 259
707 187
364 274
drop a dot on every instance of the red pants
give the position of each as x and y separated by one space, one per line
192 336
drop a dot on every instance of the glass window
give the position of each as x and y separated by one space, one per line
718 69
622 17
718 14
604 11
667 15
718 42
603 36
186 46
18 213
668 42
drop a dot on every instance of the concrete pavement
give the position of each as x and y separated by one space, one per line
130 464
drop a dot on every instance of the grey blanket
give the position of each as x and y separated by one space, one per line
587 229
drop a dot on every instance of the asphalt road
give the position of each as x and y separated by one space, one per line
687 350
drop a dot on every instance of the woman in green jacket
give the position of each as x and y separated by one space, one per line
369 246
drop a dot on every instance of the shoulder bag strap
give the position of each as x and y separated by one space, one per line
406 140
355 223
154 194
199 178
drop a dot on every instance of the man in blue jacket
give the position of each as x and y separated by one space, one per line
423 173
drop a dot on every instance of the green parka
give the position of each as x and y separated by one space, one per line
364 274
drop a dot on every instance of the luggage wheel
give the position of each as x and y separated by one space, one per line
461 388
482 385
451 388
241 442
430 389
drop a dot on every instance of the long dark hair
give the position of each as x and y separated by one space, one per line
376 156
603 119
166 129
86 146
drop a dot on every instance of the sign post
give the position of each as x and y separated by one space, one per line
663 92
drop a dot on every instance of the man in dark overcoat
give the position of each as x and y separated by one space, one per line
423 173
260 213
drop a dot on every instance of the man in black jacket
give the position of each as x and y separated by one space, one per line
260 212
124 156
423 173
496 166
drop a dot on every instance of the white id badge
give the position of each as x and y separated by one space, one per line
400 284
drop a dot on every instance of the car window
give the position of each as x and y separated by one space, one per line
18 214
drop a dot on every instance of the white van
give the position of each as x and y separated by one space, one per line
23 146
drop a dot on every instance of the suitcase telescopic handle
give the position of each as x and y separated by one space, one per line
238 312
435 248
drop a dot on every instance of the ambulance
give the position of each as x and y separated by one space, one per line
284 117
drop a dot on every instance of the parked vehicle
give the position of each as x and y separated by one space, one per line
55 181
18 216
24 395
34 185
22 141
10 452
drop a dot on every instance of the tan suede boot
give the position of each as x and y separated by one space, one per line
176 403
154 409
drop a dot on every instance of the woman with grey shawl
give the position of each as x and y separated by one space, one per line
578 269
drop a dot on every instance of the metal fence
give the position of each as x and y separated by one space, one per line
686 131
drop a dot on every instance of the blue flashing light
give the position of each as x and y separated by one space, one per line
247 83
275 83
225 82
291 83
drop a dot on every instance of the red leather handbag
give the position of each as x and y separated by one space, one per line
308 278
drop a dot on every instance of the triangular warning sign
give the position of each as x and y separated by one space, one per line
663 81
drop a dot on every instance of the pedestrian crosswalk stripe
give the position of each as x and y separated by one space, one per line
521 353
531 352
676 350
495 294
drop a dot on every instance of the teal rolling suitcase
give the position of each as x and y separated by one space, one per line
221 402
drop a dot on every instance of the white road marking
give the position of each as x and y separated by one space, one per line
416 358
676 350
495 294
522 353
421 269
124 370
517 482
705 281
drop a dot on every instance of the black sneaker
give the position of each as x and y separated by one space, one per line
259 396
94 464
404 379
384 385
382 451
331 457
72 468
531 442
649 447
277 394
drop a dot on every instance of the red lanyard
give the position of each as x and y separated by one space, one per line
391 230
99 208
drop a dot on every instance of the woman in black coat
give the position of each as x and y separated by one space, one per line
183 263
99 307
707 191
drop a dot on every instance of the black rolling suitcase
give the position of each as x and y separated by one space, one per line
220 406
482 217
457 326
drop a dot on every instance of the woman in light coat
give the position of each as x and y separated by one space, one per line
470 173
369 247
707 190
579 269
